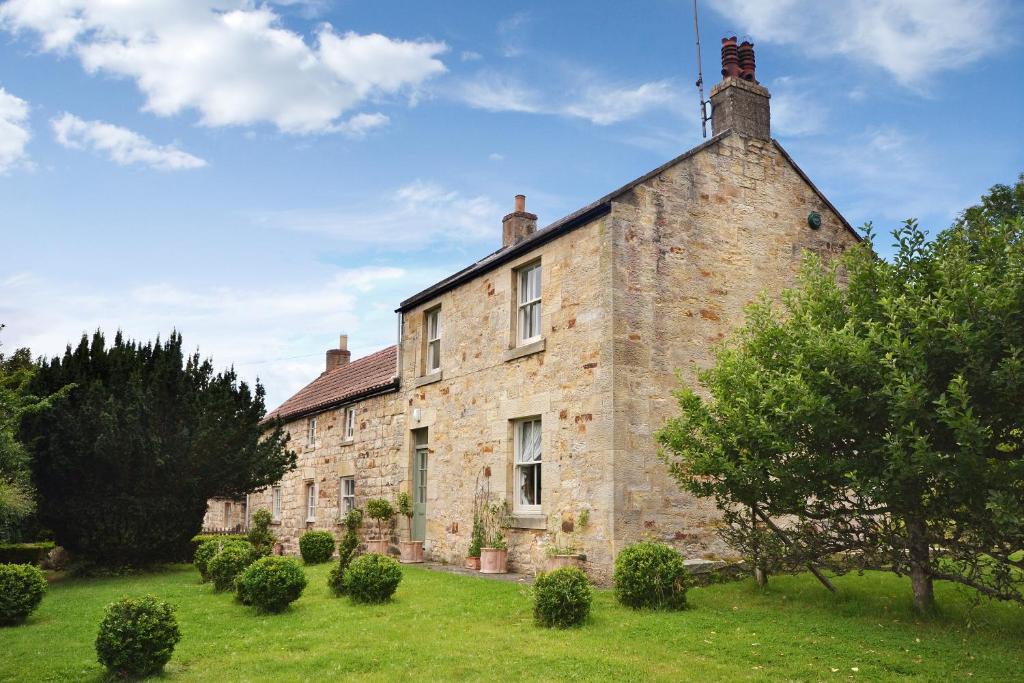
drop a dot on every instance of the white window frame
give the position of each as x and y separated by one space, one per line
350 423
275 504
528 304
311 494
528 453
346 495
433 328
311 431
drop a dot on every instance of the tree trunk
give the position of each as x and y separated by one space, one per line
920 566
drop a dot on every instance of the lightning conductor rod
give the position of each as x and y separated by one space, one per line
700 76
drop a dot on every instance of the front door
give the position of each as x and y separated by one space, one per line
419 487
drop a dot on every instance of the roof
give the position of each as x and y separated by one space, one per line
581 217
363 377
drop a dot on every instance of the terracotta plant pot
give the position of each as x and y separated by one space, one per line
378 546
554 562
411 552
473 563
493 561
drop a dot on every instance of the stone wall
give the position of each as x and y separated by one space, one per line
224 514
371 456
693 246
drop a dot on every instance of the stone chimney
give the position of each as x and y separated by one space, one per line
739 102
517 225
339 356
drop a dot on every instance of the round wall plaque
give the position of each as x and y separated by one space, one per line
814 220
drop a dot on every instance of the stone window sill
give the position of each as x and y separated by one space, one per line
435 376
529 521
348 441
524 350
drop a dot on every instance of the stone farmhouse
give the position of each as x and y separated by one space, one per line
546 367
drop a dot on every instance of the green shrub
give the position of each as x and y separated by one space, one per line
372 578
25 553
204 553
346 550
199 539
382 512
561 598
137 636
259 535
21 590
271 583
226 565
316 546
650 575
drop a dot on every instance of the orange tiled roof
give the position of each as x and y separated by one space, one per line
356 378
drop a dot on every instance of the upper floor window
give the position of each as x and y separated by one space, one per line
528 291
433 363
350 422
346 495
276 508
311 431
528 465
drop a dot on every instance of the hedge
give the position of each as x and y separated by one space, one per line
25 553
199 539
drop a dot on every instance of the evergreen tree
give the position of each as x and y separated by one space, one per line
125 463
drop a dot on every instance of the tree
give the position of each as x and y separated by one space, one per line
16 494
879 420
125 464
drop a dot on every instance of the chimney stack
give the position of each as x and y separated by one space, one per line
739 102
518 225
339 356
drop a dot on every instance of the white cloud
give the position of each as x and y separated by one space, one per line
120 145
415 214
588 97
911 39
14 131
511 34
361 124
470 56
796 107
229 60
495 156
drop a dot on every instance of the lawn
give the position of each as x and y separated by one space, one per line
445 627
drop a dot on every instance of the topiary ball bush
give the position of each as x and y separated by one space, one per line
372 578
206 551
137 636
226 565
271 583
561 598
651 575
316 546
21 590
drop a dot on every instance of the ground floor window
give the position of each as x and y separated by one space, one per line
528 465
311 502
277 503
347 496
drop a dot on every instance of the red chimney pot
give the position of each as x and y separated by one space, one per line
730 58
746 59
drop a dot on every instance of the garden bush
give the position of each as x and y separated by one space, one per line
137 636
226 565
346 550
200 539
372 578
260 535
25 553
21 590
204 553
271 583
650 575
561 598
316 546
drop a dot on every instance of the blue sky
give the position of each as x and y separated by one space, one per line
265 176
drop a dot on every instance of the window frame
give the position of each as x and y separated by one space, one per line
311 431
343 496
518 464
526 305
276 501
311 496
350 423
432 316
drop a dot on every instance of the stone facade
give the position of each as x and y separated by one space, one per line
635 291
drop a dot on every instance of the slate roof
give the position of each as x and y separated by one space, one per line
362 377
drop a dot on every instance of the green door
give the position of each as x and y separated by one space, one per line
419 488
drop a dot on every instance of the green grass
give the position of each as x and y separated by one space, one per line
442 627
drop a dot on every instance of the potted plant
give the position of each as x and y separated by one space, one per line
494 553
566 554
411 551
381 511
476 542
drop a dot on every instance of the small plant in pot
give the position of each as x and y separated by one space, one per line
494 553
411 551
566 553
476 542
383 513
